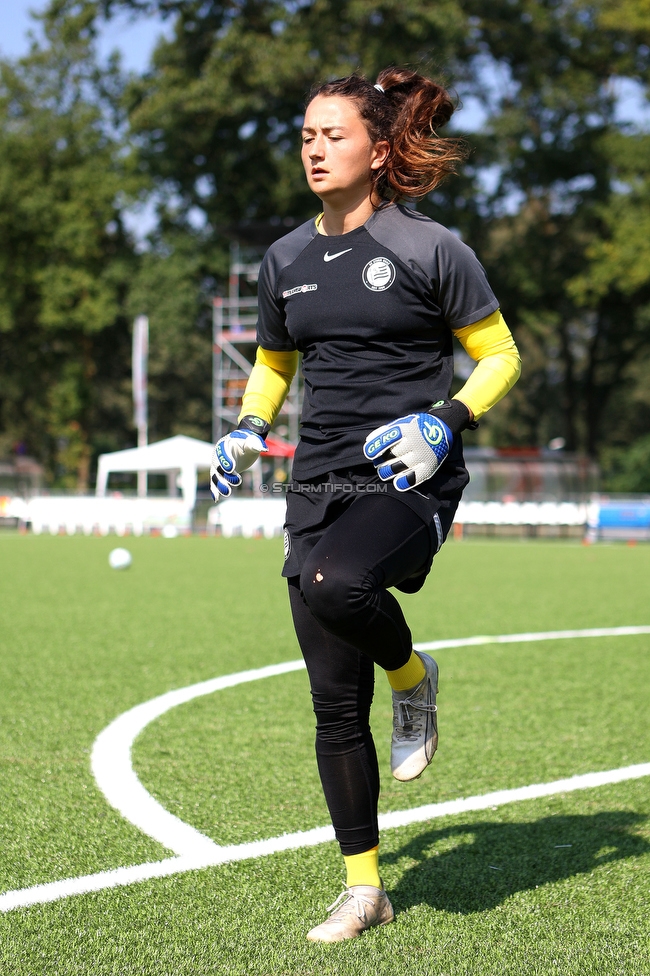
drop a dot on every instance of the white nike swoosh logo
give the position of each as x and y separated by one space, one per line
330 257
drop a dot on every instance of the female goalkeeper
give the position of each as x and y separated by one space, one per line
371 293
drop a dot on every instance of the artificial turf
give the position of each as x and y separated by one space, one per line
496 891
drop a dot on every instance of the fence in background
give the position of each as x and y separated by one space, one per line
91 515
249 517
599 519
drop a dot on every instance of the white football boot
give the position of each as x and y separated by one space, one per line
415 725
356 909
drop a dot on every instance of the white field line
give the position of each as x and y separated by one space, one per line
111 764
541 636
55 890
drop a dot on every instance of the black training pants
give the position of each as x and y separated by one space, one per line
346 621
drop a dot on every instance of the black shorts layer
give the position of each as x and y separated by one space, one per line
314 505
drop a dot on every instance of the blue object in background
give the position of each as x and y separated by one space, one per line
624 515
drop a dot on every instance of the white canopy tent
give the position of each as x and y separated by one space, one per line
175 455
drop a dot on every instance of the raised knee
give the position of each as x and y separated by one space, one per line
333 593
325 589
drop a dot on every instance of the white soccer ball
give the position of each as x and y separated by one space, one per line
119 559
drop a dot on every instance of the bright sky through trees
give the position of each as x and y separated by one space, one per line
124 189
134 38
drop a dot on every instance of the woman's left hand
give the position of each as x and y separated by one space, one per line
409 450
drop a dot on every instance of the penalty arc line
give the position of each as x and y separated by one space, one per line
118 781
541 636
111 764
119 877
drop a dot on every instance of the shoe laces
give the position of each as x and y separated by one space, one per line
349 901
410 716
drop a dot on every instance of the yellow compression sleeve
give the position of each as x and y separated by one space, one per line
363 869
498 365
268 384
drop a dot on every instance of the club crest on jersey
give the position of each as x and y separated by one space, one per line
378 274
299 290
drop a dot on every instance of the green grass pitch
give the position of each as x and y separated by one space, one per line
549 886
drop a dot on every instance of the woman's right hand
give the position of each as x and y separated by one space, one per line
233 453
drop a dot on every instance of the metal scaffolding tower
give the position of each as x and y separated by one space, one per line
234 345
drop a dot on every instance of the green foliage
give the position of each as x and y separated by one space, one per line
65 258
210 132
628 469
173 286
556 234
633 15
218 117
621 258
220 113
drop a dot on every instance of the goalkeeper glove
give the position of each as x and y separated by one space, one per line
236 452
410 450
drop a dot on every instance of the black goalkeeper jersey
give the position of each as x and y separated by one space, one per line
372 313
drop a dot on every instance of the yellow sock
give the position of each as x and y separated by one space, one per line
363 869
409 675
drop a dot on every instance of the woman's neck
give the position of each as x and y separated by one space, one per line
341 220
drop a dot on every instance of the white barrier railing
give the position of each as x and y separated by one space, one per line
89 514
248 516
521 513
265 516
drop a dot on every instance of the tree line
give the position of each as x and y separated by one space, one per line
555 199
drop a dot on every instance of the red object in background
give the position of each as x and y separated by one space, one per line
519 452
279 447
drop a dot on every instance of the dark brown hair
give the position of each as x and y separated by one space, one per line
407 114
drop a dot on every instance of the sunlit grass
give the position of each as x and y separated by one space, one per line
483 893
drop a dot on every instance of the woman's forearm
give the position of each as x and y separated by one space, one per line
268 384
498 365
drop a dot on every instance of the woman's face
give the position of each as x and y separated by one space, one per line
337 152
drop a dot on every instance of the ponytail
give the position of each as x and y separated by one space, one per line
419 158
405 109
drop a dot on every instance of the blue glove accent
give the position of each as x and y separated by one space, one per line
409 450
226 462
436 434
233 453
388 436
387 471
224 484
